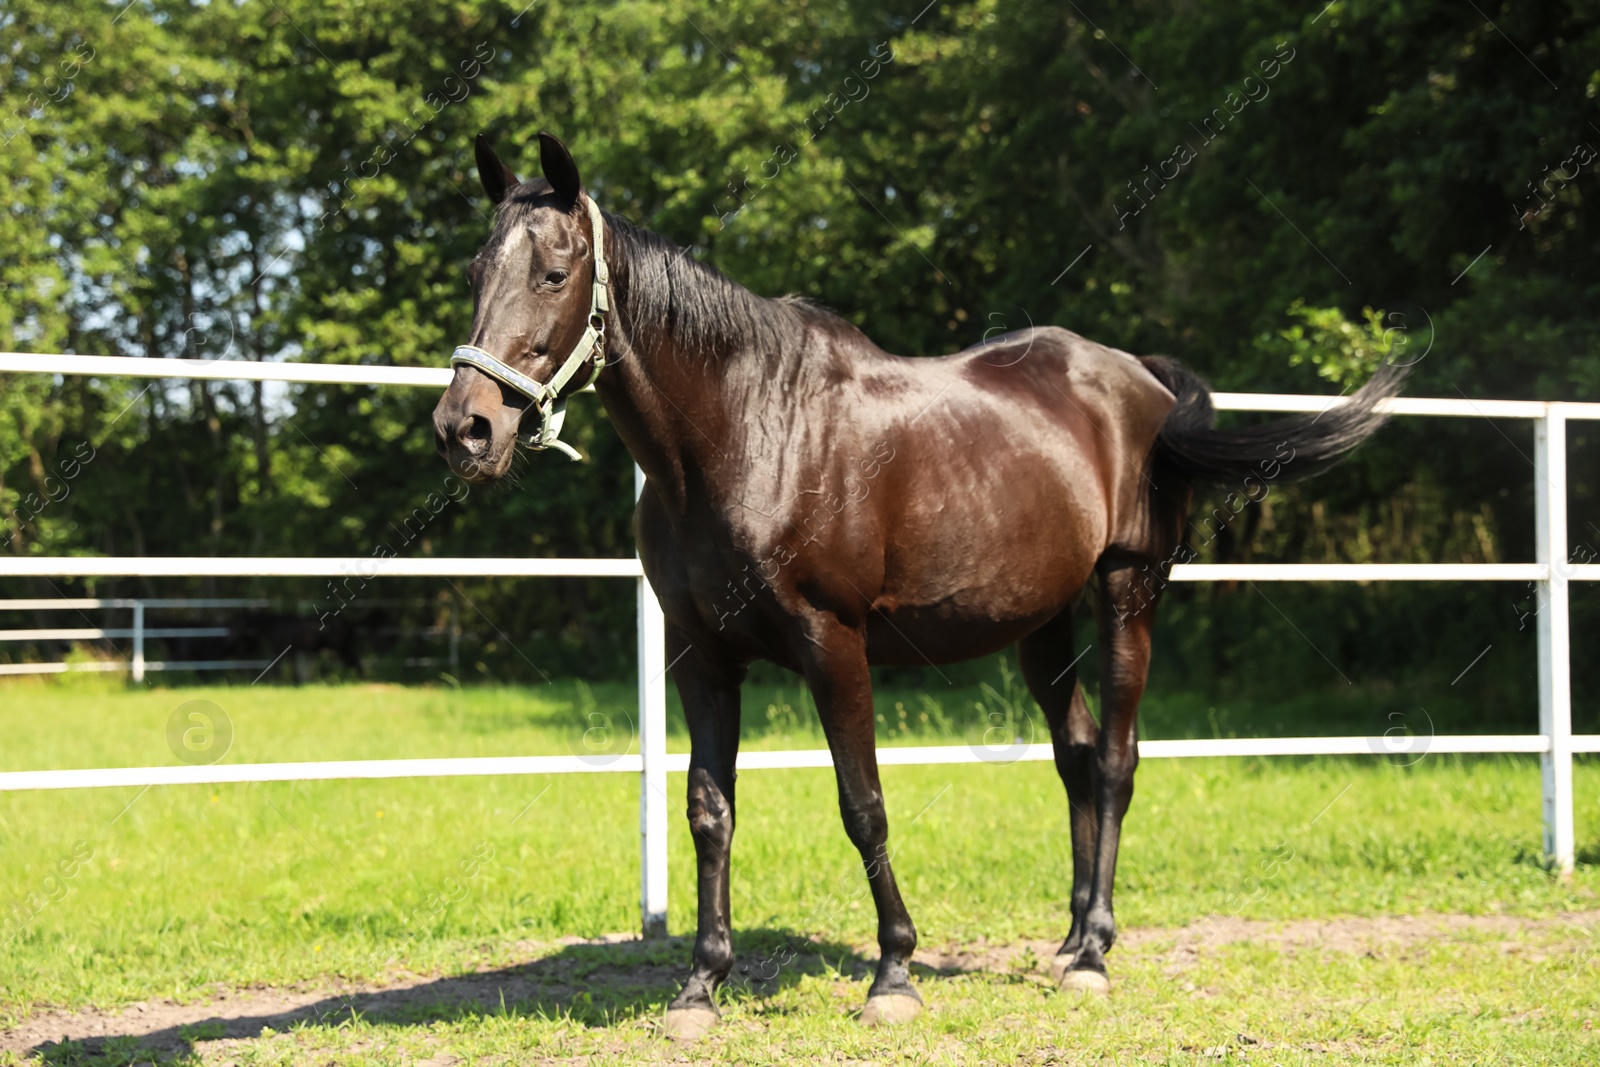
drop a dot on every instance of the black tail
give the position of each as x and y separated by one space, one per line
1299 446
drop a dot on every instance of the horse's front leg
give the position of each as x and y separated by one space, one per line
709 687
836 670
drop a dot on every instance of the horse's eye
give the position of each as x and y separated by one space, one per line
555 277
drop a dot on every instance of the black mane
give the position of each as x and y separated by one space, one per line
668 293
663 292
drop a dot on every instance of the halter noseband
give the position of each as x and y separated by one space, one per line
552 407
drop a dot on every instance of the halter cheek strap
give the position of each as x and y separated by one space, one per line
550 405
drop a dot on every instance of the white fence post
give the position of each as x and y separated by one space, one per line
138 640
653 754
1555 676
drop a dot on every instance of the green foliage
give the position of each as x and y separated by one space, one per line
1343 352
293 180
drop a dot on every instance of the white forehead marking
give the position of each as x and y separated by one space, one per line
511 247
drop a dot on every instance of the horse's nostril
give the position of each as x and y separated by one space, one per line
474 434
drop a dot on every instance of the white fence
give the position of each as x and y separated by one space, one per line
135 664
1555 742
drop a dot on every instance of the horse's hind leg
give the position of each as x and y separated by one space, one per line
710 692
1125 614
1049 666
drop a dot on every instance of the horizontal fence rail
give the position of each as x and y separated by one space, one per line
507 567
314 567
100 634
1402 405
437 377
237 370
134 667
1555 743
794 759
73 603
1360 572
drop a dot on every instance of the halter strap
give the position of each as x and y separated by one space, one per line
551 406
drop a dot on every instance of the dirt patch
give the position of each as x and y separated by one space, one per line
1355 935
647 973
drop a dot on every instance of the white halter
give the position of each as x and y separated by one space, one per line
552 408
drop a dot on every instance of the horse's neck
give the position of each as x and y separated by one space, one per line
685 408
670 407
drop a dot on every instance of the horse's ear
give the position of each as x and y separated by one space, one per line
495 175
559 169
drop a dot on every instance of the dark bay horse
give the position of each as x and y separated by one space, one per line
815 501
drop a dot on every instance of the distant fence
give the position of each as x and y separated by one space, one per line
1552 572
136 665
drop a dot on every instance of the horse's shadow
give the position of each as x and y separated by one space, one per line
592 983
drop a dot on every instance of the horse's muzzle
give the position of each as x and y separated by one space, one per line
473 430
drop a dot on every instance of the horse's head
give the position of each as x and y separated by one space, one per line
538 305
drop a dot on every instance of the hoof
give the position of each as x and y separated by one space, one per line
1059 967
689 1024
1089 983
888 1009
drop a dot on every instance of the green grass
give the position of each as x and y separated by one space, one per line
189 888
1477 1005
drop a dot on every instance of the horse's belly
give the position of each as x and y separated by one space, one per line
968 599
914 637
960 589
